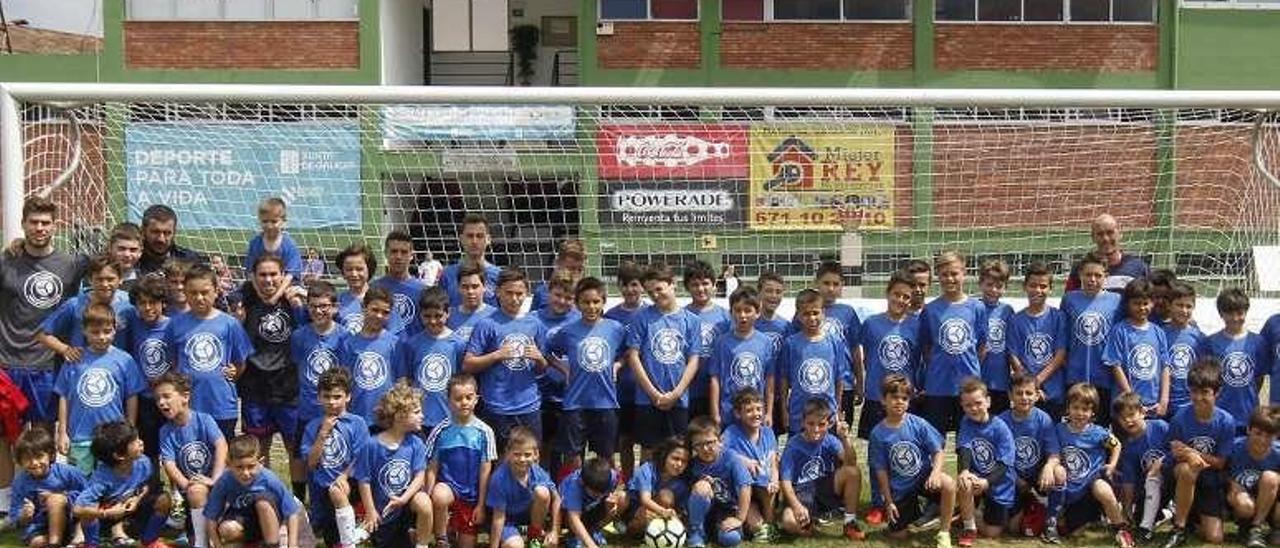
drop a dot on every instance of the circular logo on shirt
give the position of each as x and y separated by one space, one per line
811 470
335 451
370 371
1248 479
594 354
404 308
1203 444
1149 456
815 376
1091 328
905 459
1039 348
1237 370
895 353
204 352
955 336
746 370
194 458
243 501
1145 361
521 342
1181 356
354 323
833 328
274 327
433 372
97 387
464 332
394 476
1076 462
1026 452
320 359
155 357
995 335
667 346
708 332
984 456
42 289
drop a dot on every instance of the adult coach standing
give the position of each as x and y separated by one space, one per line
34 279
1122 267
159 232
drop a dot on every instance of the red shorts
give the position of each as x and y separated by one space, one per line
460 513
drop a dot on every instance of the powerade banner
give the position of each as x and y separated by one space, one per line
213 174
822 177
684 151
673 204
412 123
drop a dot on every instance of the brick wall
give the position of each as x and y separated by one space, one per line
650 44
817 46
1216 182
242 44
1105 48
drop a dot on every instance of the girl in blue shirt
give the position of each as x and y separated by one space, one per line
1137 352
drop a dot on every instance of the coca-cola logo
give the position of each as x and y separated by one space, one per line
669 150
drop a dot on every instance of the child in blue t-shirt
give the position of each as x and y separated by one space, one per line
273 240
953 337
664 345
460 454
1243 356
248 503
772 288
631 287
1037 340
61 331
741 359
1200 437
472 307
720 495
505 354
404 288
371 355
986 467
813 361
116 495
330 444
891 343
313 347
1090 313
818 473
101 386
659 488
1036 462
1144 478
840 321
431 357
1137 351
210 347
1090 455
390 472
1253 464
995 371
555 314
43 490
755 443
357 263
588 353
193 452
906 460
590 497
147 324
522 494
700 282
1185 340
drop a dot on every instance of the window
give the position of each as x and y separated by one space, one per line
241 10
681 10
1075 116
816 10
1082 11
1233 4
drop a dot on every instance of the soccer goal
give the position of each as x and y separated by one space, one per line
761 179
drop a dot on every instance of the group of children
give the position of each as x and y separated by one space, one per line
395 400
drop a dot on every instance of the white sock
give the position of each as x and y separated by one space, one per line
1151 501
849 518
346 518
970 524
4 498
198 528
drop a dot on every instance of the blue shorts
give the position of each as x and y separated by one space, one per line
37 386
264 419
502 425
512 526
247 516
39 525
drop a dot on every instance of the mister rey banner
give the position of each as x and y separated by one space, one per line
821 177
213 174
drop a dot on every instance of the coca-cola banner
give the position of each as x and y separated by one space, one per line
674 204
676 151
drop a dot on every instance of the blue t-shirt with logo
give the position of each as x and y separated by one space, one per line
574 496
404 303
995 365
953 332
229 496
463 323
665 342
991 443
1034 440
905 453
388 470
890 348
715 321
551 382
374 366
1142 353
1138 452
430 361
805 462
511 496
350 312
106 487
739 363
458 449
626 379
191 446
1034 340
96 388
1184 345
203 348
148 348
727 474
449 281
509 386
1211 437
1244 362
62 478
1245 469
341 447
287 250
838 320
313 353
813 370
763 449
1090 320
590 350
1083 455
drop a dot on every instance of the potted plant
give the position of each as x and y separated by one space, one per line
524 42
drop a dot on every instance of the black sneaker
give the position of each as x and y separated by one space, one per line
1144 536
1050 534
1257 538
1177 537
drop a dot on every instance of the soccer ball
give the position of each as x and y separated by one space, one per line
664 533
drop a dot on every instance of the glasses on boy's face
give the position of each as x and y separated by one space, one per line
705 444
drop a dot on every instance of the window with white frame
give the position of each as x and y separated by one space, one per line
653 10
816 10
1030 11
241 10
1232 4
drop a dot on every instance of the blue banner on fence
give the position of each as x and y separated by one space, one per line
410 123
214 174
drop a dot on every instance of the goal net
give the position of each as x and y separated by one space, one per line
776 181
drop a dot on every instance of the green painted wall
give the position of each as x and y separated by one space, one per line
1228 49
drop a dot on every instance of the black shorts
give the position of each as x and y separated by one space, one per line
1083 511
502 425
654 425
994 513
910 509
393 532
999 401
821 496
871 415
699 406
247 516
580 428
626 420
551 412
846 406
943 412
1211 495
